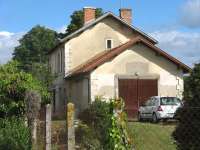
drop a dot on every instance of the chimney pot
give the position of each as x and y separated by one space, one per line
126 14
89 14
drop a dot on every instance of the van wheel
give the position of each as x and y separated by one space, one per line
139 117
154 118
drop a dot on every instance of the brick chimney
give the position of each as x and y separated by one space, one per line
126 14
89 14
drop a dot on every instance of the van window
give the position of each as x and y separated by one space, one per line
170 101
148 103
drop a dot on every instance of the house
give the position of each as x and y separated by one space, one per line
109 57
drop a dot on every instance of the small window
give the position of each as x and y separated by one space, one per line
54 100
109 43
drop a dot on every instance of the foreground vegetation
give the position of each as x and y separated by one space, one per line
104 126
14 134
148 136
14 86
188 131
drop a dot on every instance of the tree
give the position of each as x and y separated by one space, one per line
14 84
188 131
34 47
77 20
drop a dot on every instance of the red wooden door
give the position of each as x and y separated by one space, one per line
135 92
146 89
128 91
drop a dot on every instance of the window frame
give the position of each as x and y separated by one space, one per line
109 39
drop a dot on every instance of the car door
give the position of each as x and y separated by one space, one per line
147 108
150 108
153 107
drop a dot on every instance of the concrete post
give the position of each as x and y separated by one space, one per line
48 127
34 134
70 127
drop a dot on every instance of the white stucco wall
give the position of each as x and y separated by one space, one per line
139 60
93 41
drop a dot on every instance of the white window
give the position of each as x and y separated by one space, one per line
109 44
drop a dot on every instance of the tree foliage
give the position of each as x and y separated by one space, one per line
77 20
188 131
32 53
34 46
13 85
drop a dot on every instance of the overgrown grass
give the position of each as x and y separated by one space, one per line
148 136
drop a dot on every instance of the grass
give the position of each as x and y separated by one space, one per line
148 136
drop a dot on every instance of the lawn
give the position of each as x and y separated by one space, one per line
148 136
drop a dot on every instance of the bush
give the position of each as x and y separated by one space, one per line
14 135
109 127
188 131
13 86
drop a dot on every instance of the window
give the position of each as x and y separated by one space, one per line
170 101
148 103
59 61
109 43
54 100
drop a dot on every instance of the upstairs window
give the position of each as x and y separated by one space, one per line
59 66
109 44
58 62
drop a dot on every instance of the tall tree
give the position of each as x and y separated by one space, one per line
77 20
34 46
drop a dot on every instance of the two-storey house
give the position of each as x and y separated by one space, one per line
109 57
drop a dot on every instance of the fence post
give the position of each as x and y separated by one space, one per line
70 127
48 127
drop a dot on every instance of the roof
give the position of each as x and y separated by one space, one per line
98 20
105 56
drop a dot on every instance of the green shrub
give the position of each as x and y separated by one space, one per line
13 86
14 135
187 132
109 127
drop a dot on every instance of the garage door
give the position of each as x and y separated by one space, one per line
135 92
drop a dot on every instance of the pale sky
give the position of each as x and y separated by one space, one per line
175 24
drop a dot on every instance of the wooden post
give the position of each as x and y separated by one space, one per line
48 127
70 127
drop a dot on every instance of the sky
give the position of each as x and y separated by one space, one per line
174 23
